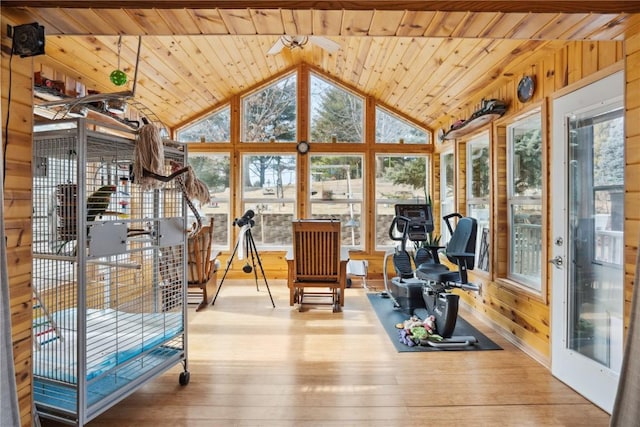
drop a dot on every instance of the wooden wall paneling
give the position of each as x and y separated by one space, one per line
574 62
530 25
327 22
595 25
445 24
416 57
178 21
414 23
200 57
473 58
499 241
238 21
59 21
172 58
163 90
359 60
435 187
121 22
208 21
546 201
371 70
546 83
303 178
589 57
437 61
17 206
536 342
297 21
267 21
503 25
632 152
220 59
150 18
608 54
460 172
385 22
561 70
356 23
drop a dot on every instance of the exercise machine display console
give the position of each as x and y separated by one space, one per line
417 218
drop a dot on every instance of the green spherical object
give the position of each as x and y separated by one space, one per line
118 77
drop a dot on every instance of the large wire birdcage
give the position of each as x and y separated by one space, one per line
109 276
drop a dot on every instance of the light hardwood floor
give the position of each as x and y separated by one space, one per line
253 365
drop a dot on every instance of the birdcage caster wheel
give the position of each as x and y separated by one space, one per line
184 378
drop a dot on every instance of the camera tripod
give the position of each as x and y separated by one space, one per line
250 250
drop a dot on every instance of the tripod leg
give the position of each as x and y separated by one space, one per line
254 250
254 254
226 270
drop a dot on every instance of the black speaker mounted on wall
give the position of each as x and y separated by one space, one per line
28 40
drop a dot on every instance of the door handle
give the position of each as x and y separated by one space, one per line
557 261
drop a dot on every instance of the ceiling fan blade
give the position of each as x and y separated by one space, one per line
276 48
325 43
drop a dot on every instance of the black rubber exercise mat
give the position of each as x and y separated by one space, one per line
390 316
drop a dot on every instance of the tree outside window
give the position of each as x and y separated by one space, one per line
399 179
524 198
447 191
269 190
478 189
337 192
270 114
336 115
391 129
214 170
215 127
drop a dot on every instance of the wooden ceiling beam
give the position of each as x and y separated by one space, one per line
506 6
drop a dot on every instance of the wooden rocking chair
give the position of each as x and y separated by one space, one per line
317 262
202 265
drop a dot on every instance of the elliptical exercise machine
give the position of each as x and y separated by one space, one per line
412 223
430 280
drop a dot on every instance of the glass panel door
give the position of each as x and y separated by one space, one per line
587 171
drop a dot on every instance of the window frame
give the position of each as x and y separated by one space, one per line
338 85
392 201
445 235
255 92
247 203
480 140
402 121
217 244
349 200
218 110
502 238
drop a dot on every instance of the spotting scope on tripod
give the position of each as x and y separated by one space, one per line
245 245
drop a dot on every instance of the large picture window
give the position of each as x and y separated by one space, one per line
447 191
478 191
399 179
269 190
337 190
336 115
214 171
524 199
270 114
216 127
391 129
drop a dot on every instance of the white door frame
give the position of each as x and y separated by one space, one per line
591 379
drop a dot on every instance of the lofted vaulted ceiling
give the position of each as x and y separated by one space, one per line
422 63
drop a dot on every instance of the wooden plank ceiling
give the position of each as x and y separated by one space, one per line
423 63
